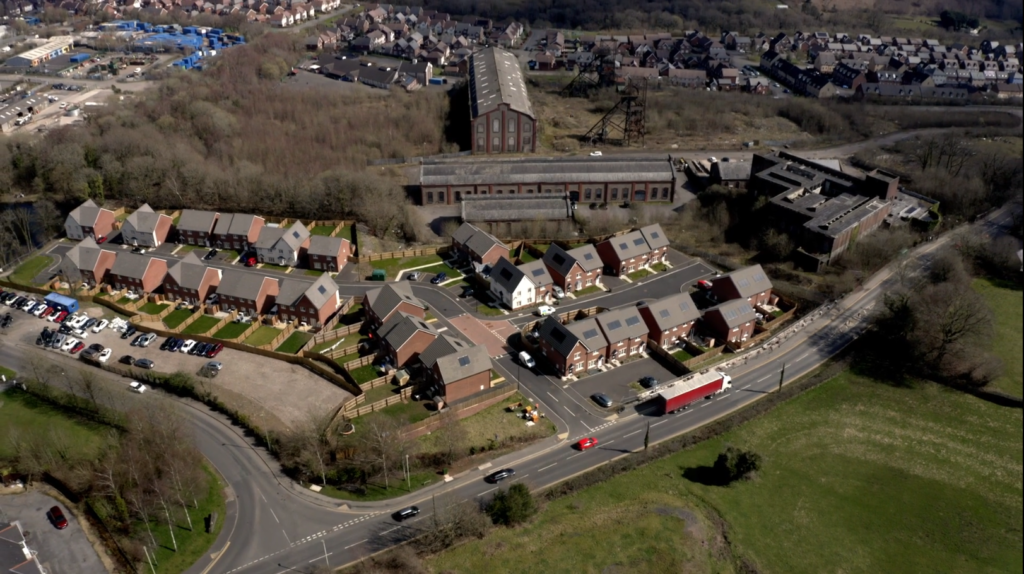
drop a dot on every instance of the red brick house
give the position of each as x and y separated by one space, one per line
89 220
195 227
384 302
750 283
328 253
253 294
456 368
310 303
625 331
574 269
146 228
730 322
635 250
237 231
190 280
403 337
669 320
477 245
89 262
577 347
137 273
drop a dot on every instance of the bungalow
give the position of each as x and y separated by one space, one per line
625 331
403 337
574 269
456 368
732 321
190 281
522 286
145 228
477 245
383 302
627 253
253 294
749 283
669 320
195 227
577 347
328 253
137 273
89 220
89 262
282 246
309 303
237 231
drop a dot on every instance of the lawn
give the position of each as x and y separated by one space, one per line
354 315
324 230
294 342
346 341
409 412
489 311
392 266
682 355
346 359
364 374
275 267
660 267
24 415
588 291
441 268
379 394
399 486
191 545
1007 305
857 476
314 272
153 308
200 326
175 318
638 274
229 331
28 270
262 336
482 427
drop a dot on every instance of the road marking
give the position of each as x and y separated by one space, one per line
356 544
748 386
486 491
324 556
570 456
761 379
609 442
392 530
288 540
275 516
261 495
547 467
631 434
658 423
553 397
800 358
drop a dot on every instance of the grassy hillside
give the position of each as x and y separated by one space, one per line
858 476
1007 306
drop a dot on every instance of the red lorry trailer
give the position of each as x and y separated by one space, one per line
680 394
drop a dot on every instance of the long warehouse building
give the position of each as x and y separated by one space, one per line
500 111
588 179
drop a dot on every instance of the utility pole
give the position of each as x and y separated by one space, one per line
647 437
408 474
782 376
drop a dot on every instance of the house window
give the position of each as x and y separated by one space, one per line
440 197
615 193
480 144
511 143
598 193
579 366
664 193
511 125
430 197
480 127
527 127
495 142
495 125
527 141
576 357
586 193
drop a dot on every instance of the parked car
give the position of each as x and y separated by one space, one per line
58 341
144 363
648 382
210 255
131 330
526 360
439 278
137 340
704 284
167 344
137 387
78 347
559 294
56 515
100 325
500 475
217 347
101 239
68 344
147 339
601 399
250 262
545 310
214 365
97 347
60 317
104 355
406 513
178 343
414 276
127 360
187 346
585 443
138 250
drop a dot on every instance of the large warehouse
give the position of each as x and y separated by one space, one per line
53 47
502 117
587 179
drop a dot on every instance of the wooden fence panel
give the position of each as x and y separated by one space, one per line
360 362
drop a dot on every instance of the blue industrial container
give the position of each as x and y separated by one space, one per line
79 58
189 30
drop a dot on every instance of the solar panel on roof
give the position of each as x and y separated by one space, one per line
664 313
588 256
295 234
537 272
759 277
616 324
558 259
623 246
638 242
655 235
684 306
322 290
743 282
631 321
589 333
464 361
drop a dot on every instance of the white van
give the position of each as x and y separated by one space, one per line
526 360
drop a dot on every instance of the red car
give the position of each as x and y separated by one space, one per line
78 347
47 312
704 284
101 239
57 517
250 262
585 443
61 316
217 347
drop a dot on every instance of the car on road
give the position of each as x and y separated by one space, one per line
585 443
526 360
187 346
210 255
601 399
104 355
414 276
56 515
406 513
648 382
500 475
144 363
439 278
137 387
545 310
704 284
596 154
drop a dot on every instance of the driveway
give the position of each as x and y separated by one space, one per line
615 383
65 551
491 334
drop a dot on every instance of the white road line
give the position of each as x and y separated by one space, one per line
261 495
658 423
764 378
486 491
289 540
547 467
631 434
553 397
748 386
356 544
570 456
801 357
322 557
609 442
392 530
275 516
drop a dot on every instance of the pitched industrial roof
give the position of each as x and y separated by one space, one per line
748 281
622 324
465 363
399 329
475 239
323 245
562 261
241 285
672 311
197 220
734 313
655 236
629 245
189 271
384 300
86 214
131 265
558 170
733 170
516 207
495 78
144 219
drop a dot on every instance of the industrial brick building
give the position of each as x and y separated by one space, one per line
587 179
501 115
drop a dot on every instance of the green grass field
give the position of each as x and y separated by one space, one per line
682 355
262 336
393 266
201 325
314 272
441 268
21 414
175 318
397 484
324 230
857 476
494 420
588 291
1008 308
191 545
294 342
638 274
229 331
28 270
364 374
153 308
379 394
489 311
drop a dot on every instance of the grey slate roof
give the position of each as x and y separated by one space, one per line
130 265
622 324
562 261
732 170
748 281
268 237
462 364
673 310
144 219
629 245
655 236
399 329
84 255
294 236
548 170
441 347
386 299
241 285
515 207
510 276
196 220
495 78
475 239
318 292
189 271
323 245
735 312
86 214
234 224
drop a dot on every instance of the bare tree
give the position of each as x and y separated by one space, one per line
382 445
950 317
317 440
451 436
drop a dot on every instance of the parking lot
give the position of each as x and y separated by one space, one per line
66 551
615 383
275 394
